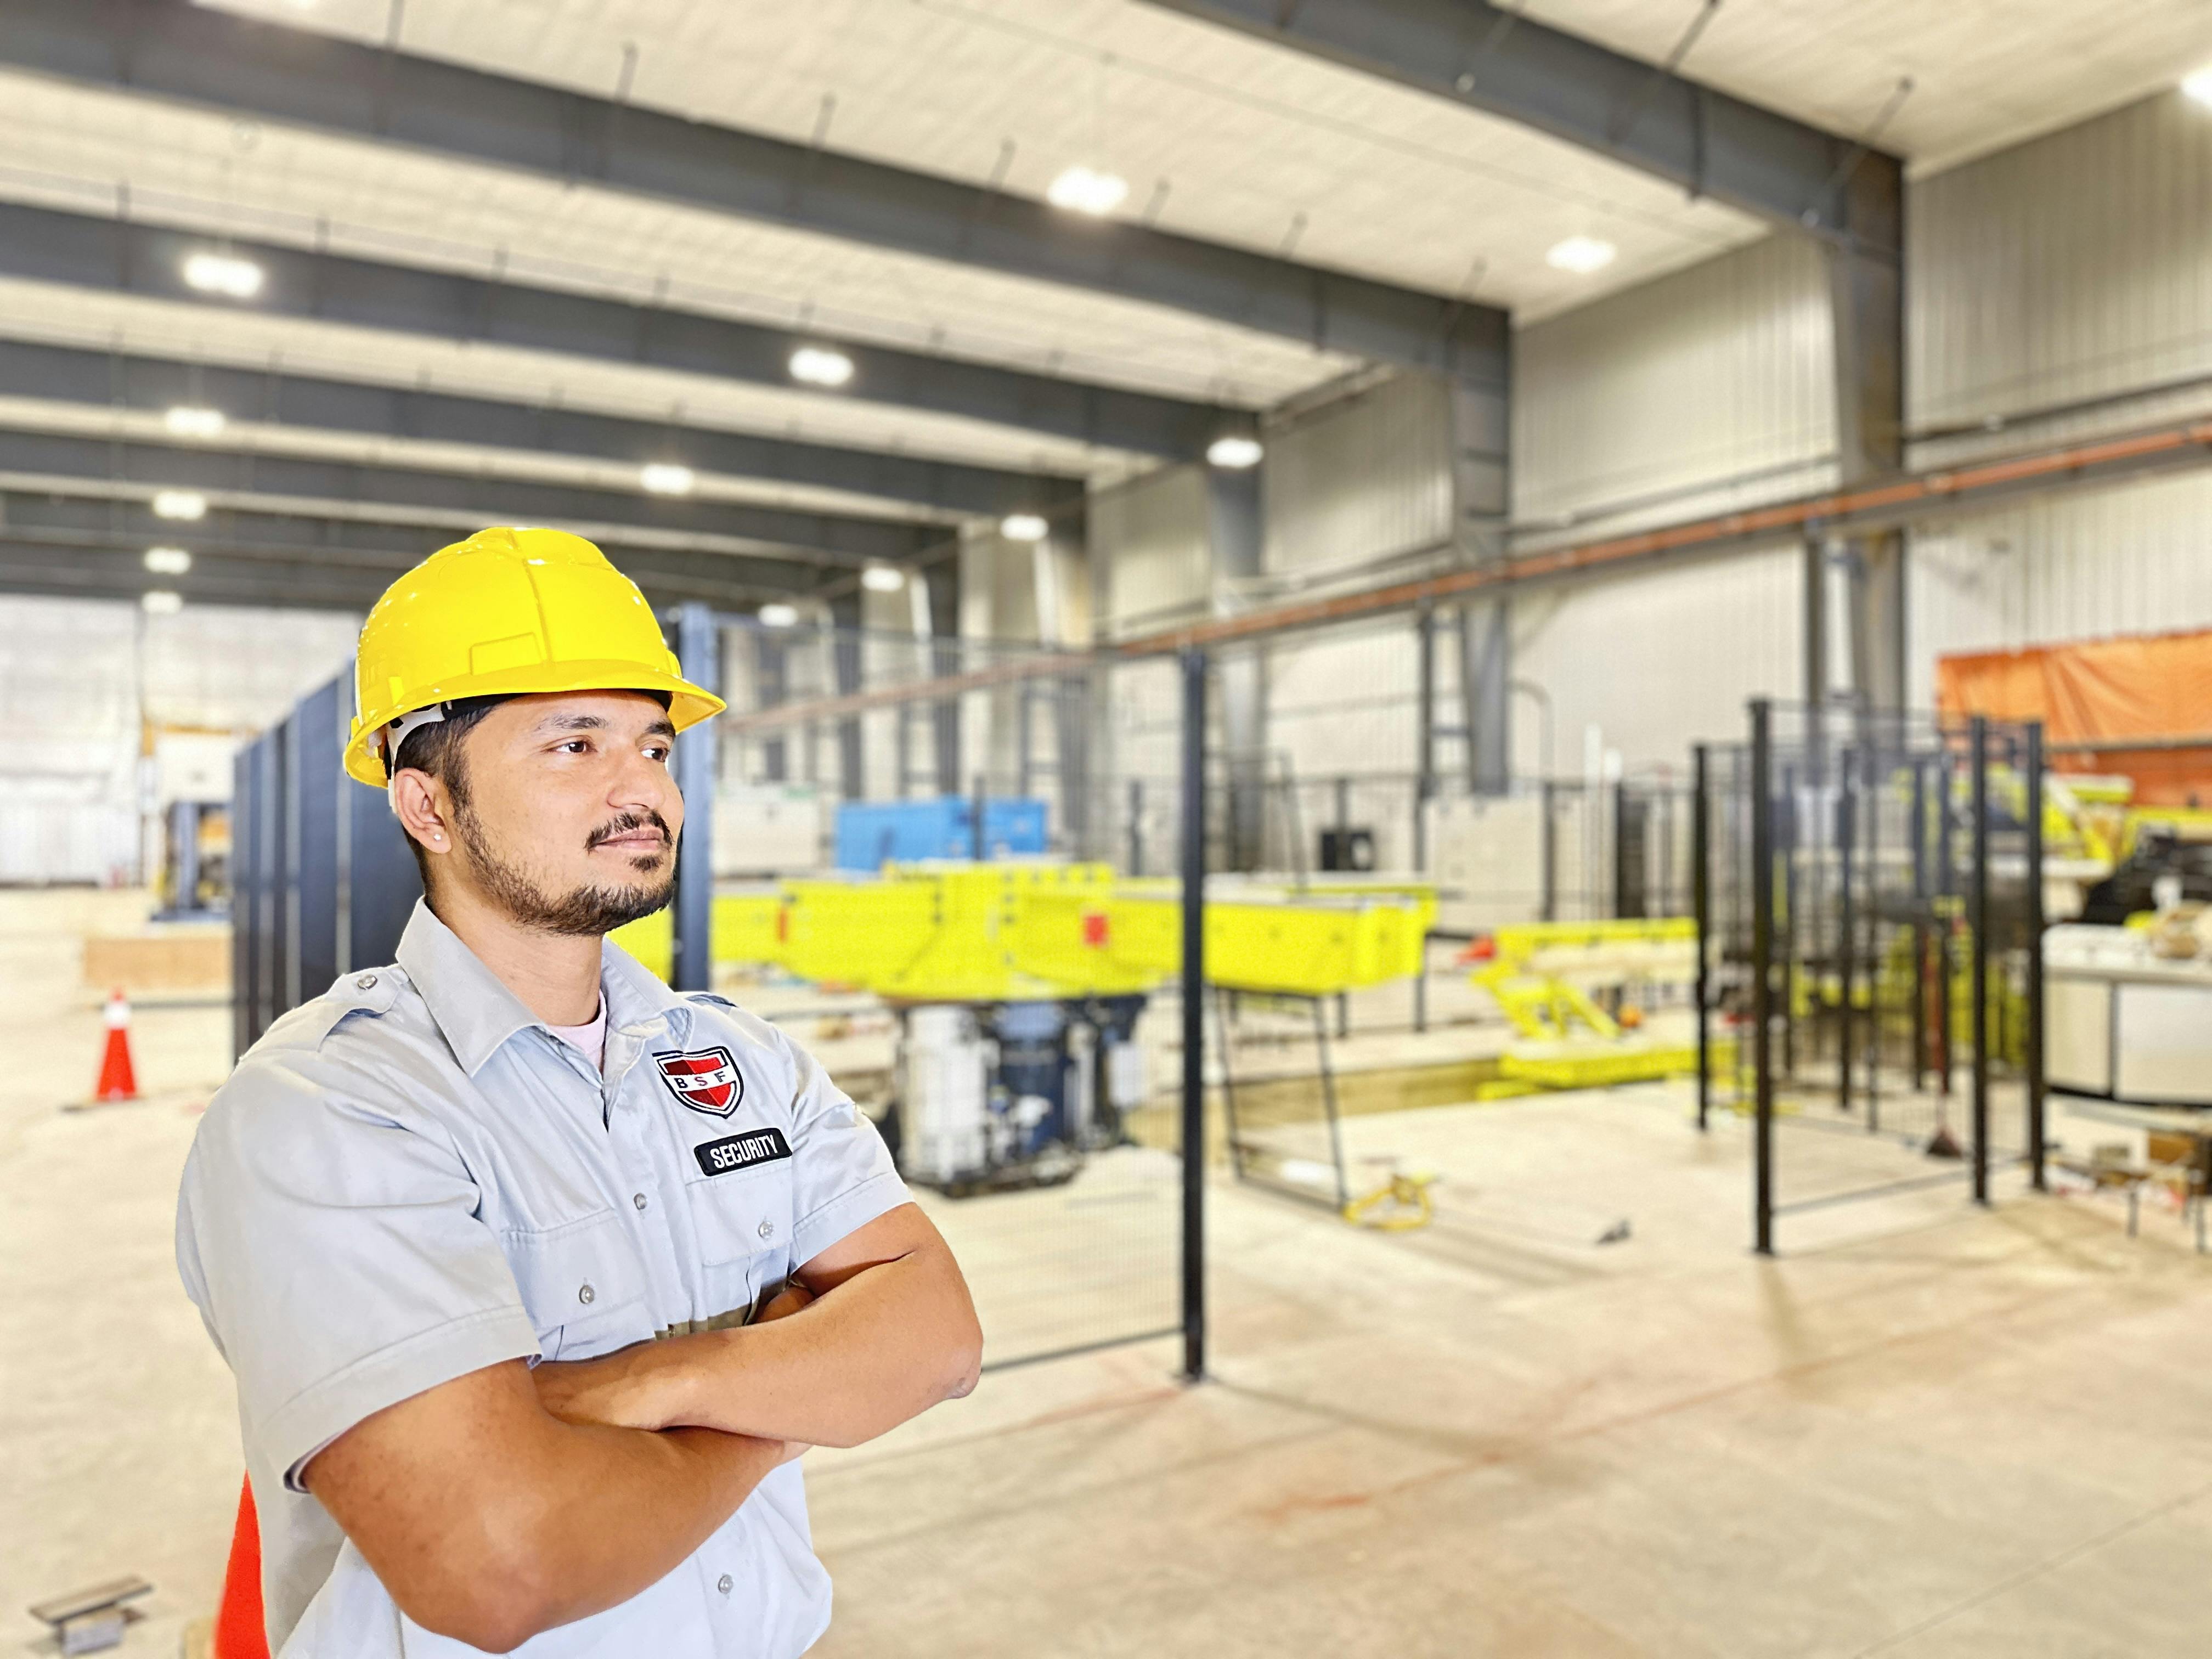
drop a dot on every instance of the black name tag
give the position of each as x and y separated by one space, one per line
736 1152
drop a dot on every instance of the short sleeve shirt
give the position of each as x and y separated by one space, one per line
411 1178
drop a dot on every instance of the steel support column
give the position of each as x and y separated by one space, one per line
1194 1015
698 649
1866 288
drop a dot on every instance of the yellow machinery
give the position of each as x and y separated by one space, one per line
1543 975
1013 931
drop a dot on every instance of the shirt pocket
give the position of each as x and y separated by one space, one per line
583 1286
743 1223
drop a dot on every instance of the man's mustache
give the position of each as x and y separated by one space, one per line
627 821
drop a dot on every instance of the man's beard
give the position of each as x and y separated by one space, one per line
586 912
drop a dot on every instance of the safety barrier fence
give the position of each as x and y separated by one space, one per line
1869 898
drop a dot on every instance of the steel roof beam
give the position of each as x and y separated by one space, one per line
375 552
175 50
283 398
400 494
1773 167
83 251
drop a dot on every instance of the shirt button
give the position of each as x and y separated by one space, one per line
586 1294
638 1198
366 983
723 1584
768 1230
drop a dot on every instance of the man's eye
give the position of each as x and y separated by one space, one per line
573 746
657 751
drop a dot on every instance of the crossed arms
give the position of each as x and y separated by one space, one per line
508 1501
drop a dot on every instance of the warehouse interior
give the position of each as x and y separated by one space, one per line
1486 728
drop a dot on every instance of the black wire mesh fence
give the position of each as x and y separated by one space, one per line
1870 918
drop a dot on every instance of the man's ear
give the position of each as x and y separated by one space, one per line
418 801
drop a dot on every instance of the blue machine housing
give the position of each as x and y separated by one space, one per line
873 833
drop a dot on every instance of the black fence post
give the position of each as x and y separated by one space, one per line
1762 987
1136 826
1550 911
1701 899
1920 903
2035 926
1978 912
1194 1015
1847 834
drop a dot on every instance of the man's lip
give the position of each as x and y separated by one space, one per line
636 838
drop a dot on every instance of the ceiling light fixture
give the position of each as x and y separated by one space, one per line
223 273
179 504
160 602
883 579
2197 86
667 478
1580 254
821 366
1023 528
168 561
777 614
188 421
1234 452
1084 190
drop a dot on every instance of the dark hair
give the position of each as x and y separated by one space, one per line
435 748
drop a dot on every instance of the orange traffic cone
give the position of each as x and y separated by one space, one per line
240 1632
117 1080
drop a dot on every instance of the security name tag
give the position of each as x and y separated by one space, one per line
736 1152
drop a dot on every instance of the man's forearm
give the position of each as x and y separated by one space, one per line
489 1520
885 1346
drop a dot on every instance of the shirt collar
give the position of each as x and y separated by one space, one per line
477 1013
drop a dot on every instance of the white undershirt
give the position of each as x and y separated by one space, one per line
590 1041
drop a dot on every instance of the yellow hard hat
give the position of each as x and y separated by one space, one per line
502 614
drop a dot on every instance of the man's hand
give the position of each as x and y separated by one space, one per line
624 1390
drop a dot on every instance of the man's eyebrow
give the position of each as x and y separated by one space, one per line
572 723
663 727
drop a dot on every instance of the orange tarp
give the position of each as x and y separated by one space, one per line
2150 686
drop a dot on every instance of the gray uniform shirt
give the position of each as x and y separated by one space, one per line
411 1178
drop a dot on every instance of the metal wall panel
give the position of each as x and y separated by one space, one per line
1709 389
2125 561
1360 479
2073 266
1148 546
1657 659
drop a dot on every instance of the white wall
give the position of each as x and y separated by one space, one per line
1359 479
85 683
2078 265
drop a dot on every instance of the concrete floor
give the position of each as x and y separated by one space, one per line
1924 1431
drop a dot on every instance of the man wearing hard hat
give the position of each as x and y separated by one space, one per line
436 1217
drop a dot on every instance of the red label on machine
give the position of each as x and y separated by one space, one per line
1095 929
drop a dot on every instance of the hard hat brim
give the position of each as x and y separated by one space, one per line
688 704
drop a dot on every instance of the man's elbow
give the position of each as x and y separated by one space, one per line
493 1595
964 1358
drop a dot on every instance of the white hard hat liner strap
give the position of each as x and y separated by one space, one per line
395 733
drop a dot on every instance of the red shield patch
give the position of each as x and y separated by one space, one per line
705 1079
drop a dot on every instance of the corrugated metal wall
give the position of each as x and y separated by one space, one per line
2077 266
1706 390
1148 543
1656 662
77 677
1361 479
2074 267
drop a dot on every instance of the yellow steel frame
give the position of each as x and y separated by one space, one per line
1016 931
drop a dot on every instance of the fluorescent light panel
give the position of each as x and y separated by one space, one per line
667 478
821 366
168 561
883 579
778 614
223 273
160 602
1580 254
179 504
1235 452
1023 528
1086 190
187 420
2197 86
